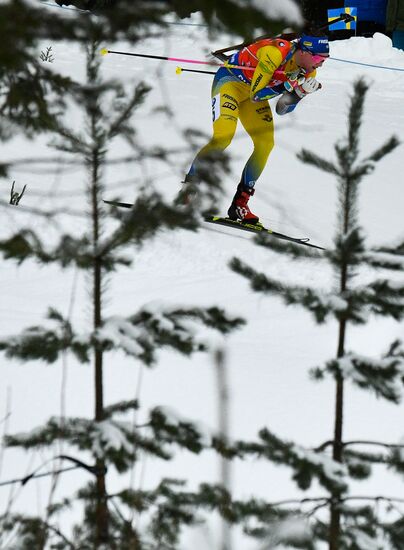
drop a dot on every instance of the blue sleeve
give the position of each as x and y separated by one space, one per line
265 93
287 103
287 109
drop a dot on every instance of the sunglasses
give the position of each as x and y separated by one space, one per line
317 58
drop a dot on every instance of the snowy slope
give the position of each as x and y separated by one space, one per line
268 360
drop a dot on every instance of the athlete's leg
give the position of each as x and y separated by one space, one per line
227 94
258 122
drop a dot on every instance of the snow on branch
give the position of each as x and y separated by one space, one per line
169 427
319 303
156 326
397 250
121 407
306 463
385 376
362 541
140 335
359 462
45 343
285 522
384 260
381 297
116 442
80 252
170 498
293 531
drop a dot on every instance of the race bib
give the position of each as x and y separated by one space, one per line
216 107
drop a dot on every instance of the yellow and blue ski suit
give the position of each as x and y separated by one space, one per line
243 94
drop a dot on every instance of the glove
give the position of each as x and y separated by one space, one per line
307 87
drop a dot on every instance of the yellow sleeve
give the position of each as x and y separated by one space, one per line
269 59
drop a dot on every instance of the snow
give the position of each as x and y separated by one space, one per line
109 435
332 302
174 418
385 258
363 541
332 470
269 359
393 387
287 531
377 51
396 286
276 9
122 333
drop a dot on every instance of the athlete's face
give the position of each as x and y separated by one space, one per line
308 61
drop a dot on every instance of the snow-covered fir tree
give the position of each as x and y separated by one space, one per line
353 522
108 440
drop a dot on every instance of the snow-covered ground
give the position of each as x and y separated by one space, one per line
268 360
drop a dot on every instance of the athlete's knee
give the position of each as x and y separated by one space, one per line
216 144
223 135
221 141
264 144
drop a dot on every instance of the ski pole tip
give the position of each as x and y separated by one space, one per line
104 51
178 70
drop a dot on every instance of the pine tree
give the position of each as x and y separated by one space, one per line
110 441
350 304
107 438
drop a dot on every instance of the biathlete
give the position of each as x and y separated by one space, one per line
273 67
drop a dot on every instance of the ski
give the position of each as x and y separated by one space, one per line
227 222
117 203
52 5
258 228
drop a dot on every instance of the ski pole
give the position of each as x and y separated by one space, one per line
180 70
105 51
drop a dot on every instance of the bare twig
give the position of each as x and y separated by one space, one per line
329 443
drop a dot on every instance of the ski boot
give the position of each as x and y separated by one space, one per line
239 210
189 190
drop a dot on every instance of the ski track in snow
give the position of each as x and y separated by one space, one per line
269 359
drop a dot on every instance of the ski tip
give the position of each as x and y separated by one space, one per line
104 51
118 203
258 228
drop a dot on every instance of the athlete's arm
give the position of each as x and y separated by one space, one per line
289 99
269 59
287 103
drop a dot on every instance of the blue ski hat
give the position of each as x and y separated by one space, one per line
316 45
